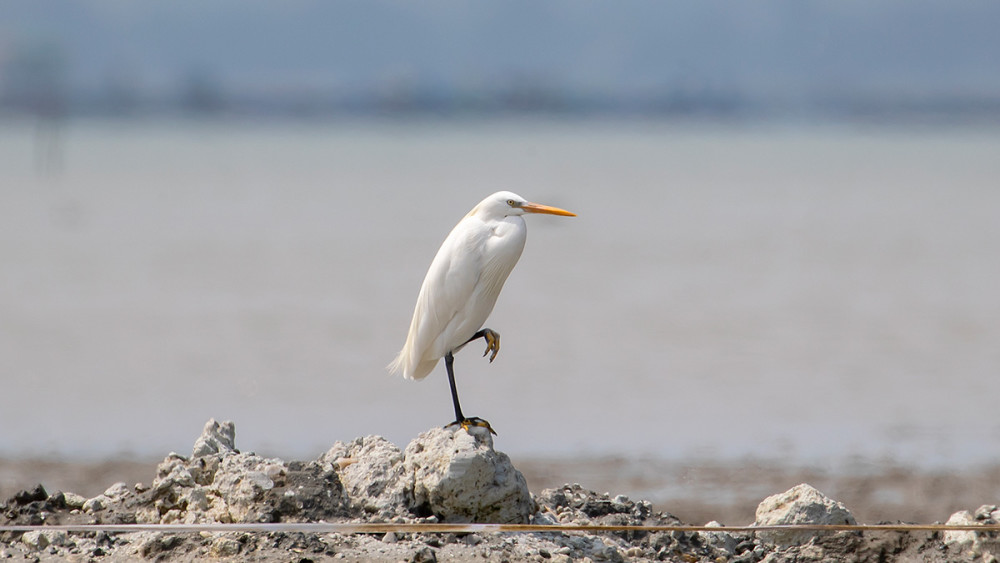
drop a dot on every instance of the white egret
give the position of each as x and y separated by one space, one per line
461 287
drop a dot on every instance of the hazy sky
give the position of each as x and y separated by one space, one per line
786 47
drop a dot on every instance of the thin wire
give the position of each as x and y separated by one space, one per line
367 528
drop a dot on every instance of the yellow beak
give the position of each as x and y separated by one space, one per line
539 208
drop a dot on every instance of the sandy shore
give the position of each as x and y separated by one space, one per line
695 492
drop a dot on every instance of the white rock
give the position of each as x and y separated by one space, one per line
240 483
721 540
458 476
195 499
228 486
172 472
35 539
74 500
274 470
224 547
40 539
543 519
96 504
620 503
964 538
216 438
58 537
976 542
448 474
801 504
116 491
373 478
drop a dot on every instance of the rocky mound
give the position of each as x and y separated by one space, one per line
444 475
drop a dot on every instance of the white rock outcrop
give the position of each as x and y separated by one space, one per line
459 477
220 484
449 473
802 504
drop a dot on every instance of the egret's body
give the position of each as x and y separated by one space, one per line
462 286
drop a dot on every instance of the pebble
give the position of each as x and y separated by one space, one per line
225 547
35 540
117 490
95 504
73 500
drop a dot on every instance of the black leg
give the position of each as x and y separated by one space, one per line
479 334
449 361
460 419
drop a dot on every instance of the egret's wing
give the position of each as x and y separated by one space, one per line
451 282
449 285
460 290
479 259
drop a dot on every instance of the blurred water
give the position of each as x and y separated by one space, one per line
805 293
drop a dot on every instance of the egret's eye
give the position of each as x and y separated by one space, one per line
510 202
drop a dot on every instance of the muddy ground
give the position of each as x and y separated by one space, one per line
694 492
457 476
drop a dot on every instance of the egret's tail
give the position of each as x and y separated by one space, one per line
397 365
404 364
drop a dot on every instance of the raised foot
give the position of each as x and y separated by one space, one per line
492 339
467 423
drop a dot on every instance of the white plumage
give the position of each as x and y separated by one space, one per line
463 283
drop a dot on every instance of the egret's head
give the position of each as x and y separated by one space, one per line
504 204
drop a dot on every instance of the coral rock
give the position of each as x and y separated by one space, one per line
216 438
801 504
371 470
459 477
